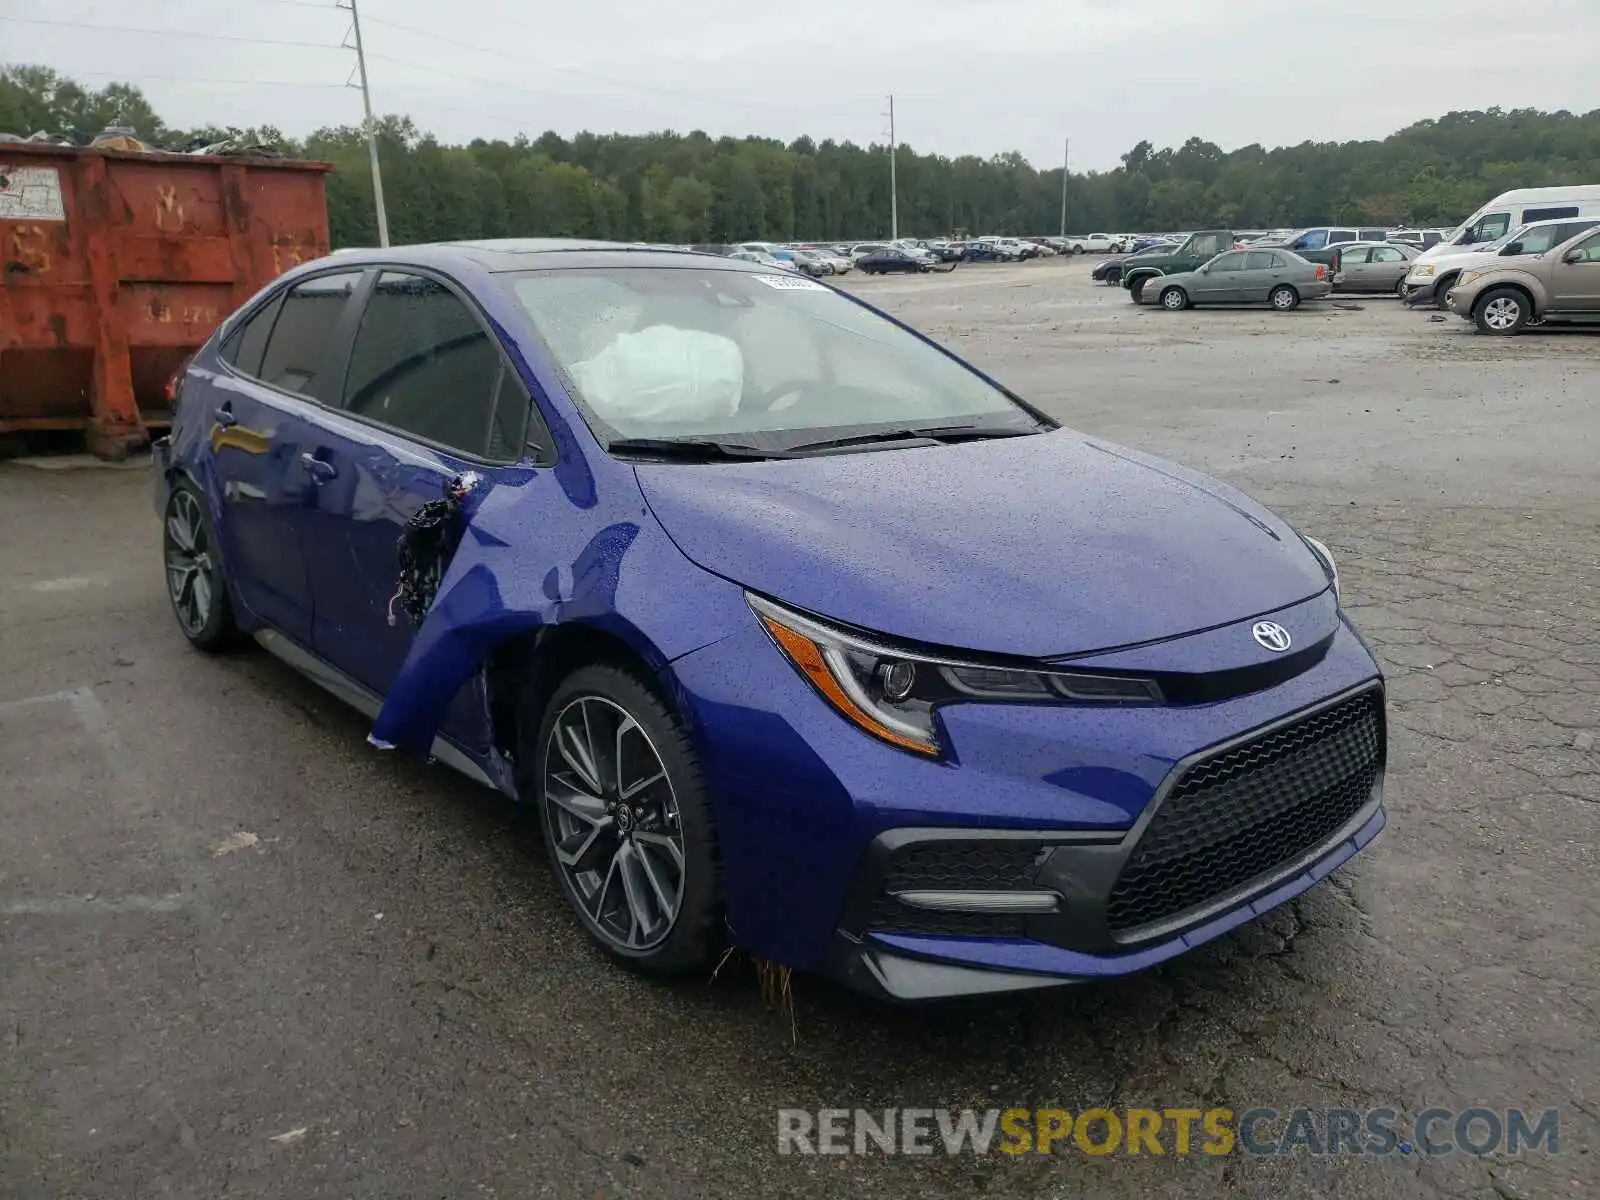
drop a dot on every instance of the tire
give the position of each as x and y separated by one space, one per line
1501 312
1174 299
1442 289
193 570
1283 298
1400 290
667 846
1136 288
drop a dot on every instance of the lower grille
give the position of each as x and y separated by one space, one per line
1250 810
954 865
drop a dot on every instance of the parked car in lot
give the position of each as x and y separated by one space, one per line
986 252
1327 235
1274 276
891 259
1560 286
1095 243
1373 268
737 583
1429 281
1110 271
809 264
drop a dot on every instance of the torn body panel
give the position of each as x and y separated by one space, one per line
522 567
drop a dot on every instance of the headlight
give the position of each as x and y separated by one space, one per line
1328 565
892 693
1468 276
1423 272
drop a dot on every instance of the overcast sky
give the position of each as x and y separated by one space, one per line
969 76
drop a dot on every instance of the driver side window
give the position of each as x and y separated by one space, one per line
1229 262
1589 249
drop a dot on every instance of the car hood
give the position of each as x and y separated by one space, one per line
1041 546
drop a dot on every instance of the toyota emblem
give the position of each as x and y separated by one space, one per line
1271 635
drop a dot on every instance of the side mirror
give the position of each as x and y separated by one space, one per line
1572 256
1512 250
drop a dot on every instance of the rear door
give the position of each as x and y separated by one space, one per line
267 403
1263 271
1575 285
1350 268
428 395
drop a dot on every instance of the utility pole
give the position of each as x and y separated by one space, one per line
372 130
1066 155
894 193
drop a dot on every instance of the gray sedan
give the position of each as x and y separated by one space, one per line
1277 277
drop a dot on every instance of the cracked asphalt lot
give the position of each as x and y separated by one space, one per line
380 994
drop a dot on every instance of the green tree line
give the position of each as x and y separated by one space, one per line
692 187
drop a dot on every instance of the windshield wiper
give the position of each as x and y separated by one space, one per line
690 449
930 433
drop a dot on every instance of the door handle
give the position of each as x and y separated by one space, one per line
225 417
319 469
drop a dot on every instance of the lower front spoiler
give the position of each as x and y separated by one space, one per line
909 968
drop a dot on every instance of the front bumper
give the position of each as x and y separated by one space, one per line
807 806
1054 908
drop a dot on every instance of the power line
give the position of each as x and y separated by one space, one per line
172 33
522 61
140 75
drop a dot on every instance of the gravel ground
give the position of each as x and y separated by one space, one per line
242 955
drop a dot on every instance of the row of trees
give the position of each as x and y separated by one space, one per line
695 188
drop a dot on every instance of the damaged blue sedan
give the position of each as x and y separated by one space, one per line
801 634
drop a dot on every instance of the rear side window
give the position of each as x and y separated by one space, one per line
1571 229
242 351
297 352
1372 235
1342 235
1548 214
424 364
1261 260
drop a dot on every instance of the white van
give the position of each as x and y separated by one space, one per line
1509 210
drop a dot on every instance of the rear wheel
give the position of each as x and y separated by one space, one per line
1284 298
194 571
628 821
1502 311
1174 299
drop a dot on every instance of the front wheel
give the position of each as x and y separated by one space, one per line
1401 291
1284 298
1136 290
194 571
1501 311
628 821
1174 299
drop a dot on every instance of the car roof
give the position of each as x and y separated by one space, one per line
534 254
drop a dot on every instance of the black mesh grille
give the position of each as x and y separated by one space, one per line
1251 809
976 866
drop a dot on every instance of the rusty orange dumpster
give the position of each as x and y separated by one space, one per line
115 266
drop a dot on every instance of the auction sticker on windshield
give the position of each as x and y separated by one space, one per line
791 283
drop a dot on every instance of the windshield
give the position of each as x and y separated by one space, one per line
706 354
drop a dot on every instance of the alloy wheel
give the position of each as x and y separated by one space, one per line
614 823
1501 313
191 563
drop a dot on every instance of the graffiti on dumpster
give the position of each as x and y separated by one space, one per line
30 194
169 213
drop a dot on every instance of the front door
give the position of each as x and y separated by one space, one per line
1575 284
1222 280
264 406
428 398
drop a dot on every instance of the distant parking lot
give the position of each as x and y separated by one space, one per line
242 954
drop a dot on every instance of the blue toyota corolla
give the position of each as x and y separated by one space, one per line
800 633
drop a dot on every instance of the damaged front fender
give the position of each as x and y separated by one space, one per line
517 570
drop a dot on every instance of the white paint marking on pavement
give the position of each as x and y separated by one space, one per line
243 840
69 583
90 906
290 1137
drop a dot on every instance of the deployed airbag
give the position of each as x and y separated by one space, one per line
663 374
